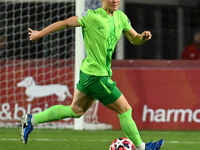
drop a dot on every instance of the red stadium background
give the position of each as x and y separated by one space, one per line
164 95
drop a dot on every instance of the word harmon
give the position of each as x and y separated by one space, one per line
170 115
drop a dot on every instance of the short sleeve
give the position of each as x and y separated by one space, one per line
84 18
126 22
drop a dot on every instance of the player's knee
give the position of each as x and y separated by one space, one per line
77 112
127 109
126 114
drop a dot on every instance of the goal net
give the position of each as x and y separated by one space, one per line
36 76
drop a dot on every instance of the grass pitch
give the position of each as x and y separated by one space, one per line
57 139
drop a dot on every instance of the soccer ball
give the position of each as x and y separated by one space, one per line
122 144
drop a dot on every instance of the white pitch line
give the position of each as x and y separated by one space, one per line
66 140
178 142
58 140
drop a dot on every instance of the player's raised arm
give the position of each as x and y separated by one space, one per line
136 38
35 35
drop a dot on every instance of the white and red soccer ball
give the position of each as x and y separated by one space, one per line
122 144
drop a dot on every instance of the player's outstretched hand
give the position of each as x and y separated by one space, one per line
146 35
34 35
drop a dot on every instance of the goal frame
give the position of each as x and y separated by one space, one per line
79 56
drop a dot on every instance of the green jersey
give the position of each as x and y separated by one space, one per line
101 33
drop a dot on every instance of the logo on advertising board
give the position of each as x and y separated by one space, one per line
36 91
170 115
13 110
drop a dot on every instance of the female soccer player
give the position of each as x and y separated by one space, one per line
102 29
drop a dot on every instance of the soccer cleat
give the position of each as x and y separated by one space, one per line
27 127
154 145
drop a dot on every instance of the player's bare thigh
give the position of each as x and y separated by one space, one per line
81 102
120 106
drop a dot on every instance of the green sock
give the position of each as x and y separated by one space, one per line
129 127
57 112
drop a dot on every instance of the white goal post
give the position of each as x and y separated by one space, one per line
79 56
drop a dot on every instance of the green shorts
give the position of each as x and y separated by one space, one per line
100 88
